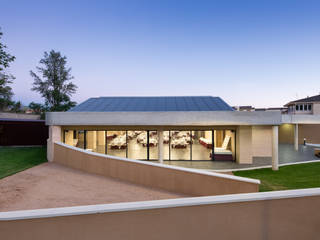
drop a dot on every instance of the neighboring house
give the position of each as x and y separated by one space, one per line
19 115
22 132
22 129
309 105
302 123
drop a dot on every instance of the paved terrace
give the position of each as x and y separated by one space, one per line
287 154
50 185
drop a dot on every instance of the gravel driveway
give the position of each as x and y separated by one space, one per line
51 185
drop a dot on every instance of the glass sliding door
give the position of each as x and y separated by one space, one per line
224 145
195 145
166 145
101 141
71 137
180 145
153 145
202 145
80 139
137 145
116 143
91 141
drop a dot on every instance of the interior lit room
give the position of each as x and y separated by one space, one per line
193 145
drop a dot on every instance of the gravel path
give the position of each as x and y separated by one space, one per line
51 185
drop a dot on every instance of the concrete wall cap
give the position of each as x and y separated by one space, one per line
156 204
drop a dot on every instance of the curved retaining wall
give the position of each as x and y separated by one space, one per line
175 179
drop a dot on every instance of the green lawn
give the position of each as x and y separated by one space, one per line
16 159
305 175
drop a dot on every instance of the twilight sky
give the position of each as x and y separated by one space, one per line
261 53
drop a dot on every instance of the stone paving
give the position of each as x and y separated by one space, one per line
287 154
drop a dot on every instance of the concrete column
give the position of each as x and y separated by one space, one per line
101 135
91 140
54 136
296 137
244 145
160 146
275 144
69 137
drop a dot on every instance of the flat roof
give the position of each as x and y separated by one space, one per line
170 118
20 120
152 104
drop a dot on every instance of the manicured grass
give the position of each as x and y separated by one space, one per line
16 159
298 176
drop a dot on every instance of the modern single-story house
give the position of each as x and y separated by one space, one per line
192 128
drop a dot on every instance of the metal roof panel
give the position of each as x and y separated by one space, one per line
152 104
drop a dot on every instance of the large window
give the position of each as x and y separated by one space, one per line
180 145
74 138
201 145
153 145
137 145
116 143
194 145
224 147
166 145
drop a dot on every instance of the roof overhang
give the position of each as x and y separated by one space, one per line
301 119
190 118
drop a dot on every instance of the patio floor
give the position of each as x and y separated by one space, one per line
287 154
51 185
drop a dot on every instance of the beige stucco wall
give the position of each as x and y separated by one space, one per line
316 108
286 133
309 131
291 218
244 149
157 176
262 141
55 135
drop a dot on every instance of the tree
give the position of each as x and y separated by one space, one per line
5 78
16 107
54 86
37 108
